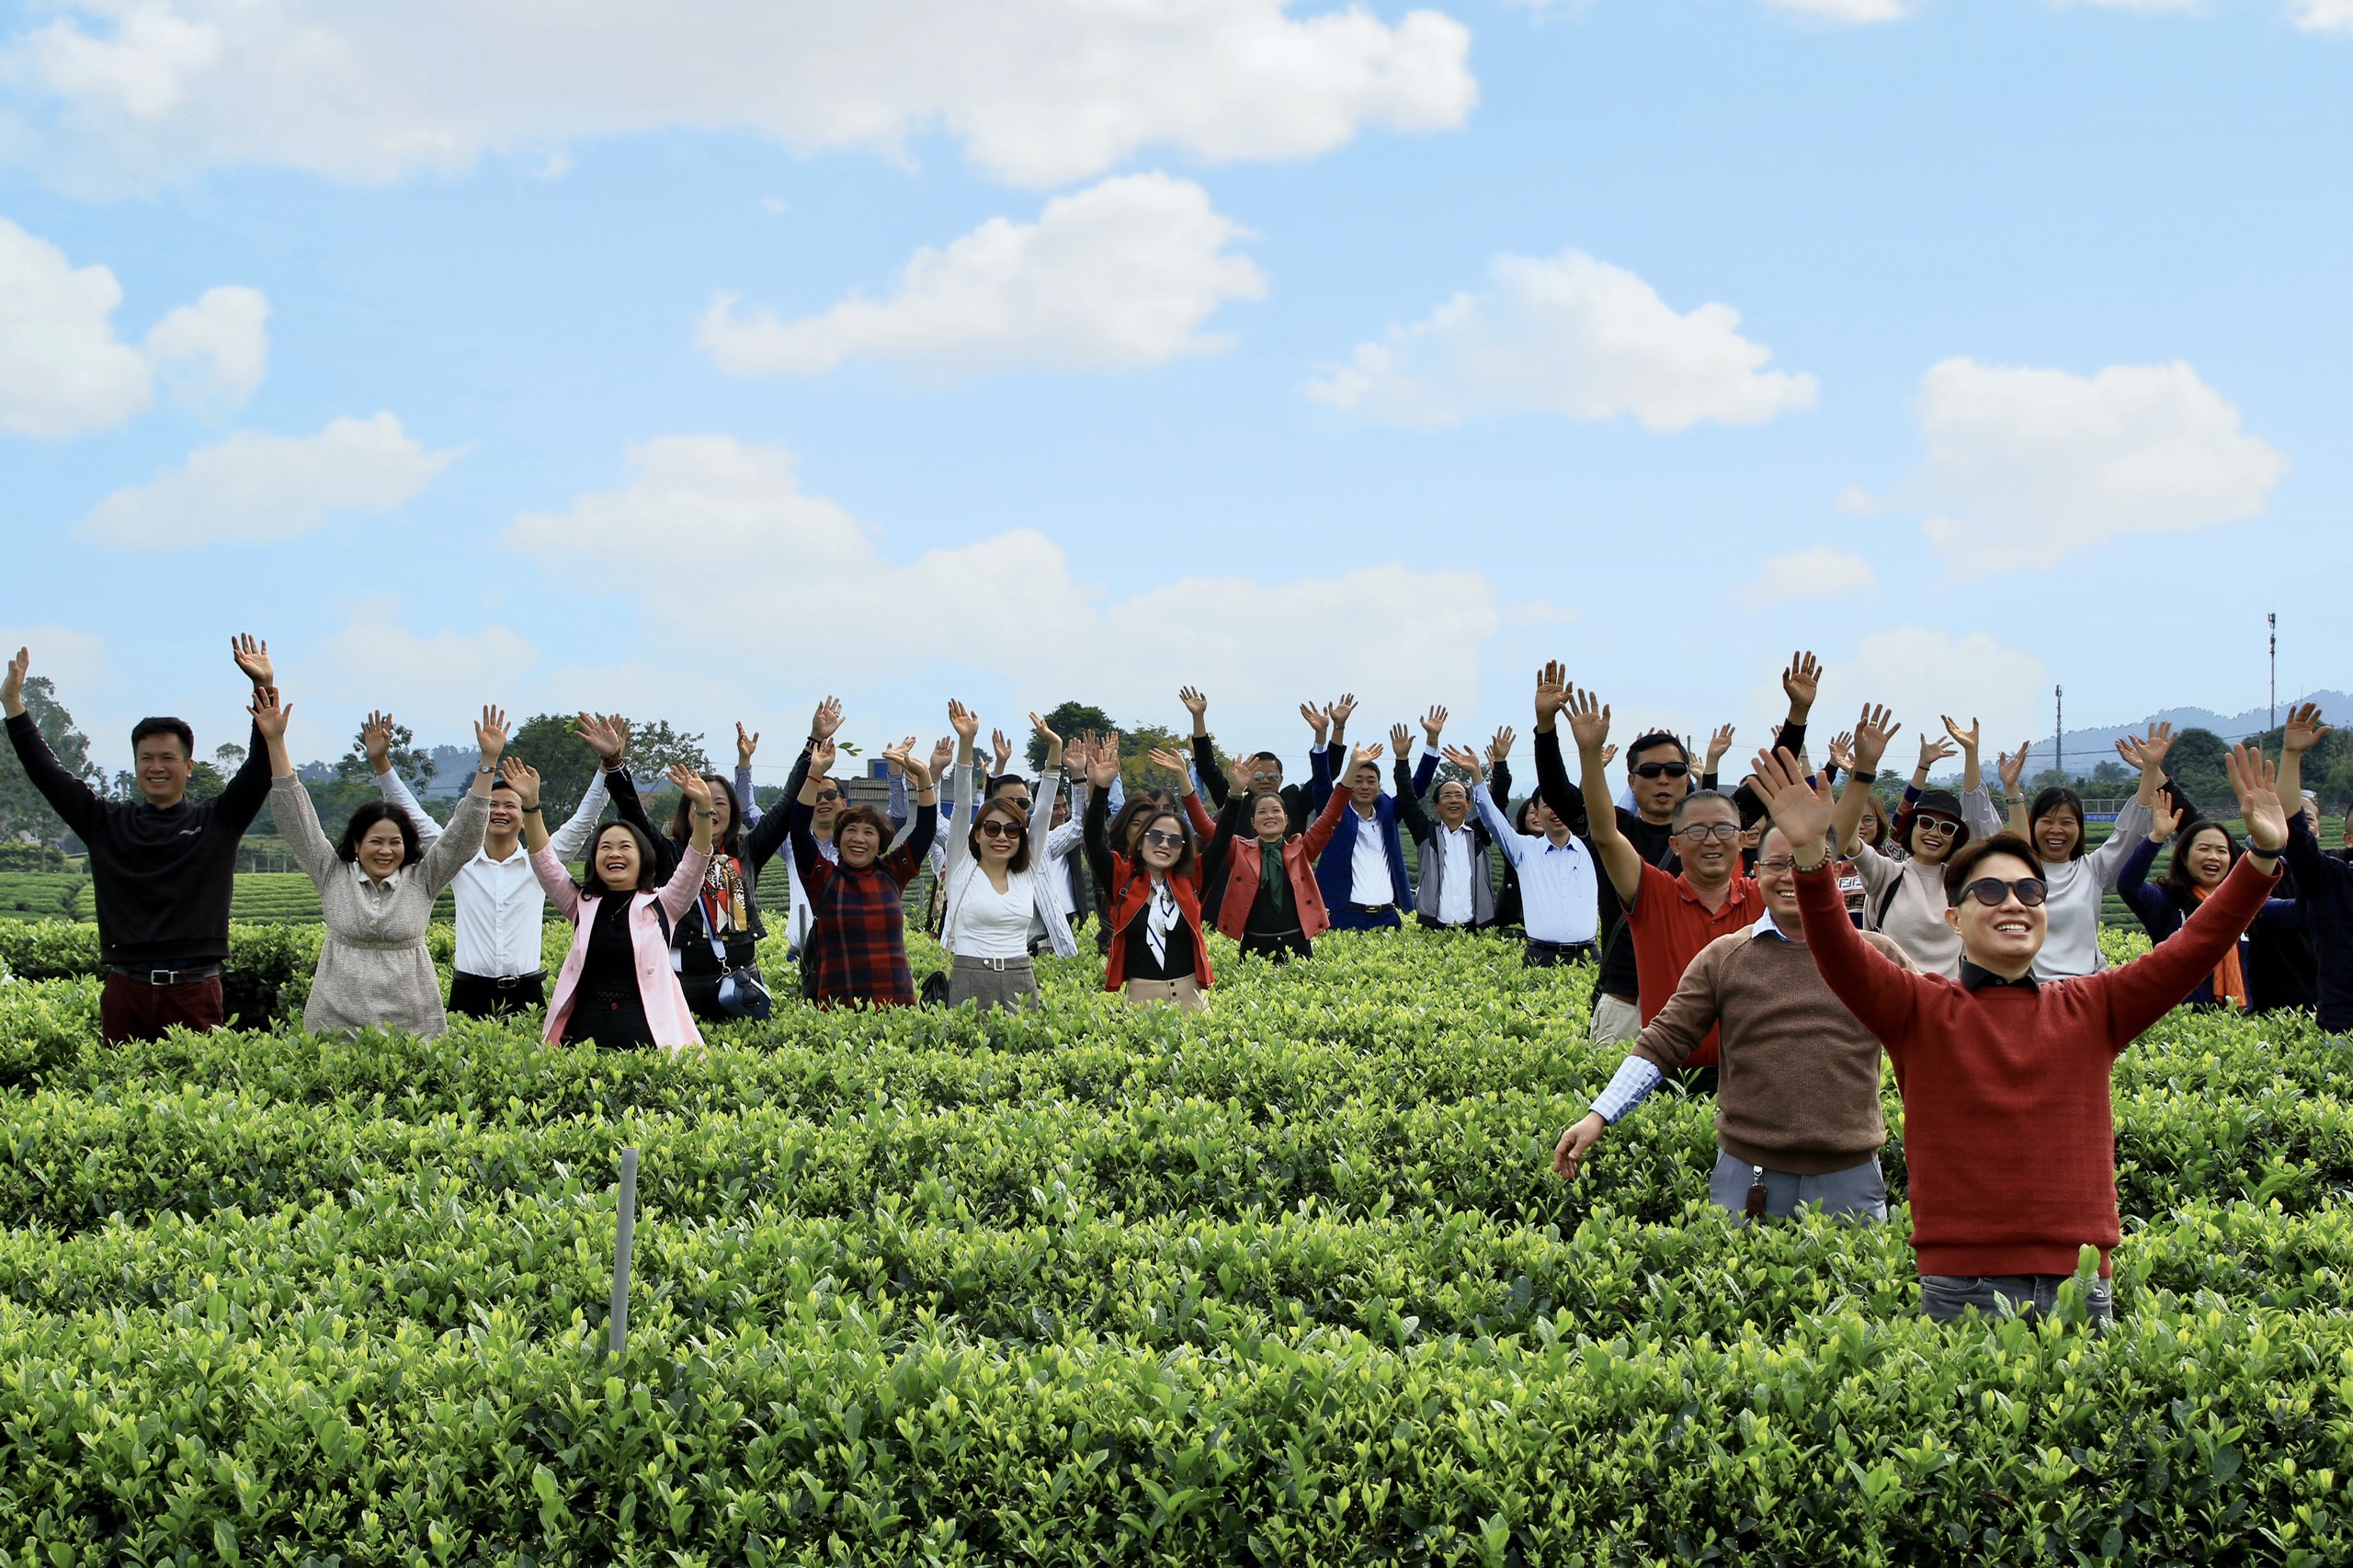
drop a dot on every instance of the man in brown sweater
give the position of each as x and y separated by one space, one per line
1797 1106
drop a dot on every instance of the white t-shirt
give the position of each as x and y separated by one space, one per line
993 925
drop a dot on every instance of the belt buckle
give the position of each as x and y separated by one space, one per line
163 977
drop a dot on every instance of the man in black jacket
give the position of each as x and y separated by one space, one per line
163 867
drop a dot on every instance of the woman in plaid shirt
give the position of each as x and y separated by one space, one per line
859 944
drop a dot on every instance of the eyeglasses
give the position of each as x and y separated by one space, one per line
1938 824
1662 769
1160 840
1700 832
997 827
1778 864
1992 892
824 795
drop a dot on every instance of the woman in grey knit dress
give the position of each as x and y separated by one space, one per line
376 888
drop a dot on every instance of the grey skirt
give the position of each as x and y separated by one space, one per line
992 982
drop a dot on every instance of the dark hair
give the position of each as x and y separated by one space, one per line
682 820
2050 801
1652 739
2177 885
1878 809
591 882
1694 797
146 727
1969 856
1519 818
999 782
872 818
1939 802
1184 861
1006 809
1143 800
1266 756
367 816
498 782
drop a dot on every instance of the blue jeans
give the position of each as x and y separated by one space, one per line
1944 1297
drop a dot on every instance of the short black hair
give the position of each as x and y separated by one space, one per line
1266 756
1695 797
998 782
347 848
1969 856
165 726
1651 741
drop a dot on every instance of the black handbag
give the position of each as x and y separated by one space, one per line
933 991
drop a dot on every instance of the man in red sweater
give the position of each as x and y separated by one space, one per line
2008 1129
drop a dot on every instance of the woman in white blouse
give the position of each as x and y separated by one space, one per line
995 895
2076 880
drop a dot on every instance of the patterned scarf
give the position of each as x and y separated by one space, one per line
1160 918
722 896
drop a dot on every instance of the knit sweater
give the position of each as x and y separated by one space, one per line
2009 1132
1906 900
1799 1090
373 969
2071 906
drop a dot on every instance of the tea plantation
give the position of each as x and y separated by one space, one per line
1291 1283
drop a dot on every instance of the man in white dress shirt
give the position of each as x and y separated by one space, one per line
1558 894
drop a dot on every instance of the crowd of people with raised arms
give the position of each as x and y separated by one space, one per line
1768 944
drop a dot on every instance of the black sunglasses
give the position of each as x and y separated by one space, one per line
824 795
1662 769
997 827
1992 890
1163 840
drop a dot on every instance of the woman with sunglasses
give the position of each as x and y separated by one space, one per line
992 892
1152 892
1905 899
2009 1126
2078 881
858 948
2203 854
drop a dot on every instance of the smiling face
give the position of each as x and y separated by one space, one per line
996 833
1269 819
723 806
828 807
616 859
506 813
2006 937
1364 787
1453 801
1708 837
1872 826
2057 831
381 849
164 769
2207 856
1777 878
1265 776
858 843
1933 838
1160 840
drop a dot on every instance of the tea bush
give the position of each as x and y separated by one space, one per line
1288 1282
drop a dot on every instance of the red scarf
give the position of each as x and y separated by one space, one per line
2230 984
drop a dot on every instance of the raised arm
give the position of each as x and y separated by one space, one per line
72 798
1589 724
376 741
1410 809
1872 731
1552 784
291 807
524 779
2154 909
2132 822
1801 683
1103 766
2010 767
1490 810
447 854
960 845
748 810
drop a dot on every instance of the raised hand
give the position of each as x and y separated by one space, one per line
820 757
1344 707
607 736
1045 731
1608 754
1103 765
269 714
2302 731
1003 750
827 720
1500 746
376 740
2147 752
1468 760
1401 739
963 721
490 733
943 752
1799 808
1842 751
253 658
746 744
1360 755
1075 755
1318 720
2254 779
12 686
1719 745
2163 824
1873 731
1433 723
1965 739
523 779
1168 757
1800 682
692 785
1195 703
1238 776
1588 720
2008 765
1934 751
918 775
1552 692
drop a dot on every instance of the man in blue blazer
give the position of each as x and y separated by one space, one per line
1362 870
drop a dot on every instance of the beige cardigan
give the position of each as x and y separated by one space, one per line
373 968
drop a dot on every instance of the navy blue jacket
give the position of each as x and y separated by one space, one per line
1333 868
2324 887
2161 917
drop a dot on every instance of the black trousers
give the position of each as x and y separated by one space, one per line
1279 946
612 1024
1554 955
487 996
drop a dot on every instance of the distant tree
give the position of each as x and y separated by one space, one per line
22 809
1070 719
1136 771
2112 772
2196 764
654 747
414 765
550 743
228 757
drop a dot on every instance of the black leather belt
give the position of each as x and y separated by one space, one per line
1374 908
167 976
1583 950
505 982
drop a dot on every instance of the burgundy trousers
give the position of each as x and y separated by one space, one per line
133 1009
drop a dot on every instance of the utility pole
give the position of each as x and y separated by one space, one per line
2059 729
2272 620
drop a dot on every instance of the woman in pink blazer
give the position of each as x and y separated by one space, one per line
617 989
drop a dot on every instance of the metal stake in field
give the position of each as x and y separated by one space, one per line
624 1239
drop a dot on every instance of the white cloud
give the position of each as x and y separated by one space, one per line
1818 576
2026 465
1121 274
2322 15
1569 335
62 370
1858 502
1922 675
74 660
1038 92
1402 637
1848 12
374 660
255 488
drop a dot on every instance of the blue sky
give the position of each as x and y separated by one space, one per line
1285 349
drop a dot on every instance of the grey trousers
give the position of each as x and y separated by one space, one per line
992 982
1944 1297
1858 1190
